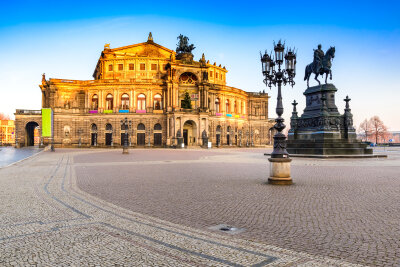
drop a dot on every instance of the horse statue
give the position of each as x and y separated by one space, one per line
183 45
320 67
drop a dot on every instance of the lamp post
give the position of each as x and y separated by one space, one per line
125 125
275 74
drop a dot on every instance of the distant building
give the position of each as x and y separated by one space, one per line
7 132
395 136
163 93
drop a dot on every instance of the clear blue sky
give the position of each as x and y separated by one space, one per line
64 39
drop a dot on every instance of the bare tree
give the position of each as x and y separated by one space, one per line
365 128
4 116
378 128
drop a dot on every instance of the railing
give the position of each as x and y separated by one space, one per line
257 94
28 112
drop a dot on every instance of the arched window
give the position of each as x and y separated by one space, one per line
227 106
108 127
94 128
235 107
125 101
141 102
157 102
141 127
217 105
157 127
109 102
95 102
188 78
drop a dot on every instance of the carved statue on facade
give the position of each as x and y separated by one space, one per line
43 78
183 45
321 64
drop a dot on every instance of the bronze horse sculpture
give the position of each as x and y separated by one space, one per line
324 68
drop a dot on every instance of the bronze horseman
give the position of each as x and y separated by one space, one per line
321 65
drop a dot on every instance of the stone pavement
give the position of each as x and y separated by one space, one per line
46 220
9 155
345 209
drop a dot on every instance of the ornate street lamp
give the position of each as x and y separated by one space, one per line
275 74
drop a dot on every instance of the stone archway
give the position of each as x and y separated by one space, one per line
32 131
190 133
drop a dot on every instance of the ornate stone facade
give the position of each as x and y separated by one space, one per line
147 83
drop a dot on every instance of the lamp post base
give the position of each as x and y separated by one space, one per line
279 173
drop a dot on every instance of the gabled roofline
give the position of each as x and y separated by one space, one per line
144 43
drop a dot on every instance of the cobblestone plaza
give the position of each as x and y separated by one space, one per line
157 207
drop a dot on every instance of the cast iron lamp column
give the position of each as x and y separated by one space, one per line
279 161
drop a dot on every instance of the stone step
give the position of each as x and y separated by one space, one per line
330 151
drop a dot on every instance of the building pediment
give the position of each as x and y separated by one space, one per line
147 49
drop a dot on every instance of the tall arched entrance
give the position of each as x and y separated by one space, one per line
109 137
141 135
218 135
190 133
93 133
157 135
32 131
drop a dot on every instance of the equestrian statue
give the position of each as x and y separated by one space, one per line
321 65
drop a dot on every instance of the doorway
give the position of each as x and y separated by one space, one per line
32 133
185 137
157 135
93 140
108 139
141 135
189 133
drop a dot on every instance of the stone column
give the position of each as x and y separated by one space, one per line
279 173
131 101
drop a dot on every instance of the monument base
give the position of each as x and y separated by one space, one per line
279 173
321 129
328 147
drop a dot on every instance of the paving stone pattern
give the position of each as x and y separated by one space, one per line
344 209
46 220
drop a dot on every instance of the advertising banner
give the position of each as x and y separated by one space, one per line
47 122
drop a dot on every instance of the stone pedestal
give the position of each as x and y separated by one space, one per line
279 173
205 142
179 142
321 129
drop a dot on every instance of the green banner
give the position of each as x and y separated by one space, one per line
47 122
